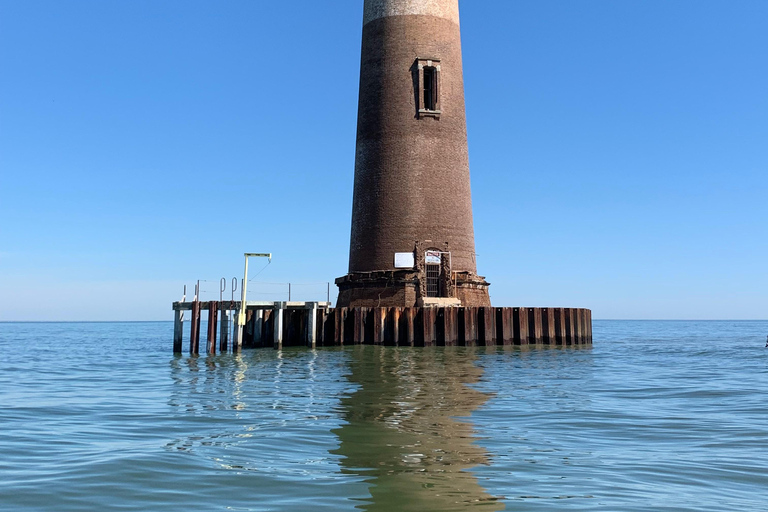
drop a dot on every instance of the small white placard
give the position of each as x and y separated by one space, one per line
404 260
432 257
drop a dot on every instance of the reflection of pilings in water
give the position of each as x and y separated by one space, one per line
404 433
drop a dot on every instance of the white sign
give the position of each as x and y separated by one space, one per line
432 258
404 260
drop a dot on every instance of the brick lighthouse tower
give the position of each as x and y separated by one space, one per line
412 240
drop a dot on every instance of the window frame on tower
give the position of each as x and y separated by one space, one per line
428 87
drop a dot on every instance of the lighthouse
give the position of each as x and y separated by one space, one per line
412 238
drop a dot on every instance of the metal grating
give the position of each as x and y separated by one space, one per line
433 280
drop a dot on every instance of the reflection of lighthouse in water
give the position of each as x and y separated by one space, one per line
404 434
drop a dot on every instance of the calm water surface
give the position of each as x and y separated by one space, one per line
656 416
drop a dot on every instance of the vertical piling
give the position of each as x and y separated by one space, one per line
451 326
358 335
520 323
258 327
213 310
487 325
507 328
194 334
534 325
178 331
559 326
224 328
340 318
277 325
277 329
312 324
408 318
395 322
379 323
548 326
470 326
429 319
578 334
568 313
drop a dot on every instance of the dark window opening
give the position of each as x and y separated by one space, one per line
430 88
433 280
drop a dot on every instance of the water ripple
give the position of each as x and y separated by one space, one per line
657 416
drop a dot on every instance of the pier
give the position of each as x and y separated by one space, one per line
317 324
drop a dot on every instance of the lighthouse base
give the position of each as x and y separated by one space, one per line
408 288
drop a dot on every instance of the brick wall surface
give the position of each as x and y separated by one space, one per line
411 173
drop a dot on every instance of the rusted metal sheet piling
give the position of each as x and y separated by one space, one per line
316 324
178 331
213 310
194 336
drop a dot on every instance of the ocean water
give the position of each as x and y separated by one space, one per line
655 416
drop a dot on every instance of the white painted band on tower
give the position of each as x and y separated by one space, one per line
375 9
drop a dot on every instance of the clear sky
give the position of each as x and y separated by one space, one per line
618 151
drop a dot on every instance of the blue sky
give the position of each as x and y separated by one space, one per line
617 148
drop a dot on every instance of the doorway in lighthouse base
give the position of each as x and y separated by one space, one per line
434 273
